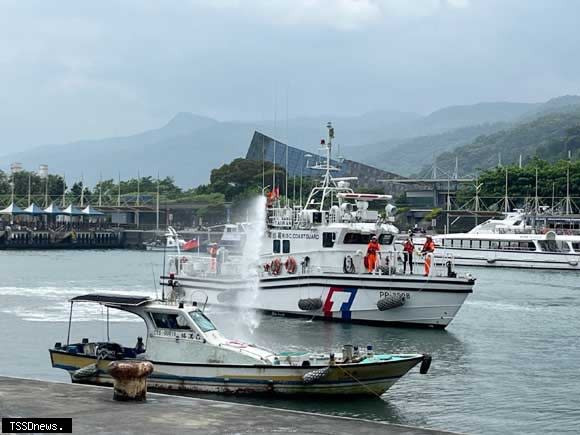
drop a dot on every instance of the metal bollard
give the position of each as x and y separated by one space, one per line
130 379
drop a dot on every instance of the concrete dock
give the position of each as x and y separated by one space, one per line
93 411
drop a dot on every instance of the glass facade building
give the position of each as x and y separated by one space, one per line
266 148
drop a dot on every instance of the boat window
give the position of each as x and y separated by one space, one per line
550 246
328 240
356 239
386 239
276 246
576 246
285 246
169 321
485 244
201 321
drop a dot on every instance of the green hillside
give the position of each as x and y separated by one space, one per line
549 137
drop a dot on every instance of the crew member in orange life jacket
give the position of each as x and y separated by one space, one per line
427 251
213 251
408 249
373 249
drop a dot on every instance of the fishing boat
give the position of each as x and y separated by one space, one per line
189 354
310 261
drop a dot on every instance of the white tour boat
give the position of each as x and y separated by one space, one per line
310 261
510 242
189 354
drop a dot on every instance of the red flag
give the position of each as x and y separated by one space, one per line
190 245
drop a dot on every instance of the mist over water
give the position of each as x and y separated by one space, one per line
250 263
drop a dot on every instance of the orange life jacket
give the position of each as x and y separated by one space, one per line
429 246
373 248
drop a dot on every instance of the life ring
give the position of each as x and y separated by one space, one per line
290 265
276 266
348 265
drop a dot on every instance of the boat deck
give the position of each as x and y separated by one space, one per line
93 410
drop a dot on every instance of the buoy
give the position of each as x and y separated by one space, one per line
310 304
390 302
85 372
348 265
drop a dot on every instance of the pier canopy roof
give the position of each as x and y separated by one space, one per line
52 209
12 209
33 210
71 210
91 211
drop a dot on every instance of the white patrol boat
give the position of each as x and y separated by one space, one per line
190 354
310 261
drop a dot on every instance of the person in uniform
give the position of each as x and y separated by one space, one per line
408 248
373 251
427 251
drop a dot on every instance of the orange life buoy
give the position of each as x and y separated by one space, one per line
276 266
290 265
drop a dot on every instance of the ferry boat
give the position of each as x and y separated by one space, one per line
189 354
310 262
510 242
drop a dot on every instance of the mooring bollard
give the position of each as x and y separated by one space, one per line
130 379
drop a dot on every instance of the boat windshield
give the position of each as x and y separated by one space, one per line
201 321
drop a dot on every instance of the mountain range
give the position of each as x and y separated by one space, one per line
190 145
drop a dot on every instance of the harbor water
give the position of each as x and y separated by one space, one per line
509 362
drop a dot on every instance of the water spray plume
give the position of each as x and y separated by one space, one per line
251 262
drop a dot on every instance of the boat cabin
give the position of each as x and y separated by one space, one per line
175 333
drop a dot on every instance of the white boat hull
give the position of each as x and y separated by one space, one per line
511 259
429 302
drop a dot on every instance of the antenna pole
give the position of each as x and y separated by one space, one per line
82 190
63 189
568 190
157 206
537 205
506 201
101 189
286 188
29 186
46 192
119 191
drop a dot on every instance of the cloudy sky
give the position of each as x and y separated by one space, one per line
90 69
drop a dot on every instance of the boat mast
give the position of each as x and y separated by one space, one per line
506 200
